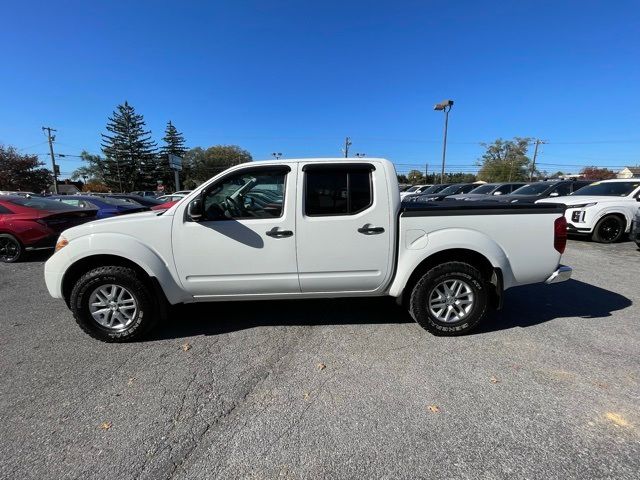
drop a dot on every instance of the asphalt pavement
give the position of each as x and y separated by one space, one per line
548 388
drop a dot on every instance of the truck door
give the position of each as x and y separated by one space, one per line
245 242
343 227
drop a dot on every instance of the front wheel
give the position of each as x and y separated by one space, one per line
10 248
113 304
609 229
450 299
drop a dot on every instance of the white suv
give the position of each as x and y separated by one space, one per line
604 210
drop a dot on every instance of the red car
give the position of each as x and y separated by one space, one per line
165 206
34 223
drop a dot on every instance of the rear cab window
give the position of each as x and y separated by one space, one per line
331 190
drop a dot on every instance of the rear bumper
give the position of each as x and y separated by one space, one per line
562 274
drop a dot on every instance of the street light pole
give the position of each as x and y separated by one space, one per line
276 155
445 106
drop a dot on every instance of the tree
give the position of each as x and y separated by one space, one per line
415 177
505 160
22 172
402 179
595 173
92 171
174 144
203 164
131 162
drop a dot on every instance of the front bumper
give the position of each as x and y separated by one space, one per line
562 274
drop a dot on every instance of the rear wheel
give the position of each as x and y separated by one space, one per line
113 304
609 229
450 299
10 248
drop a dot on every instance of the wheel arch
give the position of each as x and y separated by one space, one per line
493 275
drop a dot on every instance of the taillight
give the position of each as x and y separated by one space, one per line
560 234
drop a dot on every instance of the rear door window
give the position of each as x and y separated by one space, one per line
337 191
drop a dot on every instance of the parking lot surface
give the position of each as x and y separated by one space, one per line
547 388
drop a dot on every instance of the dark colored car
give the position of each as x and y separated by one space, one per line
34 223
412 197
133 199
107 207
532 192
452 189
482 192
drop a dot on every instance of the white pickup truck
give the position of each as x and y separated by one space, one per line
317 228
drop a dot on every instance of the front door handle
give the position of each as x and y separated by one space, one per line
367 229
277 233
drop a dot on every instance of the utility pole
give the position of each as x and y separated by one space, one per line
51 139
533 163
426 172
347 144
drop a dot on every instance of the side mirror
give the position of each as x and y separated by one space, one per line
554 194
195 211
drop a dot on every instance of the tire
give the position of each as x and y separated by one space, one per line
11 250
457 317
609 229
138 310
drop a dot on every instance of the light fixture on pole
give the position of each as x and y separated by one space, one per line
360 155
276 155
445 106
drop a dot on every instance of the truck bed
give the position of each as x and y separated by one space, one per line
462 207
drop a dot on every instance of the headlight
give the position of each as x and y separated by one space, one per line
62 242
582 205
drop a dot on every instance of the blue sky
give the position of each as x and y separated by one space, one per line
298 76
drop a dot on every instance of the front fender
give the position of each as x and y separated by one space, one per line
120 245
413 250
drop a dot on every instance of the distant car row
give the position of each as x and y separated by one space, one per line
604 210
32 222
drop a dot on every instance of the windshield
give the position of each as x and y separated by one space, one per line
484 189
532 189
609 189
433 189
41 204
450 190
412 189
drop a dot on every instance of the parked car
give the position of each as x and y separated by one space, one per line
452 189
414 190
165 205
19 193
430 190
146 193
183 192
254 233
173 197
532 192
107 207
482 192
34 223
635 233
133 199
603 210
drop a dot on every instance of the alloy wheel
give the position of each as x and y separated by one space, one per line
451 301
113 306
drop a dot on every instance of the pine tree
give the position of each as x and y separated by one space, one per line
131 162
174 144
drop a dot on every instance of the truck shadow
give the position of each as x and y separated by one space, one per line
539 303
524 307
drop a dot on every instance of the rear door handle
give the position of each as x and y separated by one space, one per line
367 229
276 233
